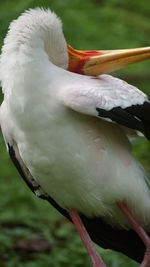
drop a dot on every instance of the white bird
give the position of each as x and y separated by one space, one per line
55 126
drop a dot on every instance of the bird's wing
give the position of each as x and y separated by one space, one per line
24 171
112 99
28 178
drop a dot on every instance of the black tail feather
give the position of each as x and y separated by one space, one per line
124 241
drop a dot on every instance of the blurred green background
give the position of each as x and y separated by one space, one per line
32 233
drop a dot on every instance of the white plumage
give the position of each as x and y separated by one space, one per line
105 92
78 160
81 161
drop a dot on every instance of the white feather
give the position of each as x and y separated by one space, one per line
105 92
81 161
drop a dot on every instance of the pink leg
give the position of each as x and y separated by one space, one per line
140 231
95 258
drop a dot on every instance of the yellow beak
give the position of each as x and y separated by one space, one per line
92 62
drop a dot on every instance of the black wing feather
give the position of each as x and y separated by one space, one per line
101 233
141 111
136 117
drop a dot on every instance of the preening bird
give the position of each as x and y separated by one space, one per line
66 124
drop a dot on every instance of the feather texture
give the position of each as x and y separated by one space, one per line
71 159
103 234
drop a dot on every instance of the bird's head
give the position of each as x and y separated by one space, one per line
38 28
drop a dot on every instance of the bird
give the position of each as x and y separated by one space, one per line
67 125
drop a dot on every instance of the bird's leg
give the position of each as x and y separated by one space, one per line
95 258
139 230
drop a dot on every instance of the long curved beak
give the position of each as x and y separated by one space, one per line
92 62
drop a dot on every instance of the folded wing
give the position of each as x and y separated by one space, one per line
111 99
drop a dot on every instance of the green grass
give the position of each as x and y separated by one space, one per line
23 217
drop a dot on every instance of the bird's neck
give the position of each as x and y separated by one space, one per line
34 41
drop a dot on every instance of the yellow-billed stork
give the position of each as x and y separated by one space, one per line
67 132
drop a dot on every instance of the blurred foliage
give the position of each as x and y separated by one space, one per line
97 24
